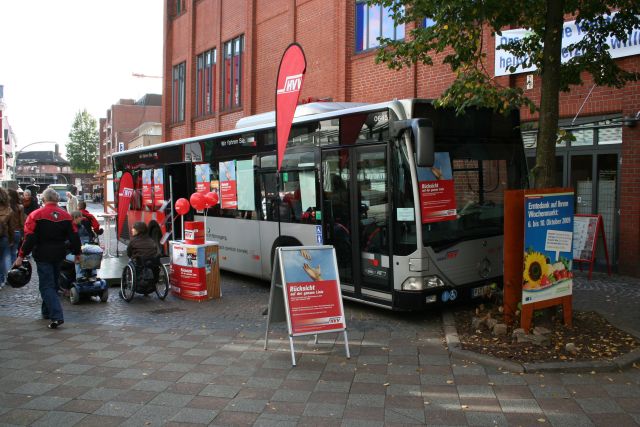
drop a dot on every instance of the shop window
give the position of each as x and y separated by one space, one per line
178 93
232 73
374 22
205 82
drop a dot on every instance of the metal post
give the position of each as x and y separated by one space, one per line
173 224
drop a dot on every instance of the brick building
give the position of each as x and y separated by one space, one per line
221 60
123 124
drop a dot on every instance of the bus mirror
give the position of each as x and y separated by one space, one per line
422 131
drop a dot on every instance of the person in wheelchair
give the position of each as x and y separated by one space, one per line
141 245
144 273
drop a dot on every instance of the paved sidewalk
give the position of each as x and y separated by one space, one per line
177 362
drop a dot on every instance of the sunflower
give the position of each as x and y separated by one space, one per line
535 268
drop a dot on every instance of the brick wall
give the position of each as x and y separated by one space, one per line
326 32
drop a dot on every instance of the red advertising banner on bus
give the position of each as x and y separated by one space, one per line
437 190
158 188
147 188
125 191
288 86
228 185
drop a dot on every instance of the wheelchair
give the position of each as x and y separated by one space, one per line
144 276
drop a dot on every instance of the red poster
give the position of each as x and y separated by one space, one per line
288 86
158 188
437 190
125 191
147 187
228 188
314 307
437 201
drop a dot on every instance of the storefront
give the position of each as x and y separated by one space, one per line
590 164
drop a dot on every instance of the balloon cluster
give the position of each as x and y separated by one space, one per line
198 201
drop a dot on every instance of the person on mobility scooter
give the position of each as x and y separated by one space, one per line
81 279
144 273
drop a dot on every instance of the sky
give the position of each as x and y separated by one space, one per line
60 57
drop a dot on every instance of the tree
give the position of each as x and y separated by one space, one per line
460 27
82 149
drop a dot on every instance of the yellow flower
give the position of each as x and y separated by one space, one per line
535 268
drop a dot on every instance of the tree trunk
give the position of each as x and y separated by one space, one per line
544 173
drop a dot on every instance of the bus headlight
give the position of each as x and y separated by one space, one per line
422 283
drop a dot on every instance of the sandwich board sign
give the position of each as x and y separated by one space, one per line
305 292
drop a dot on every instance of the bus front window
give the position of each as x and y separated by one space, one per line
481 172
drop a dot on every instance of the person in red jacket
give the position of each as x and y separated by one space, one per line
95 225
45 232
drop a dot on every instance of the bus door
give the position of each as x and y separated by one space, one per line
356 219
182 177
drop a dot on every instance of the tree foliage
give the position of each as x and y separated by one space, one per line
82 148
462 28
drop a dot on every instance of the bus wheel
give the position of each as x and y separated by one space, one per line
281 242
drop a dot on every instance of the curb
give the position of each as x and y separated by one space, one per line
455 350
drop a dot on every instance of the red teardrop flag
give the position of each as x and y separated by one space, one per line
290 75
125 191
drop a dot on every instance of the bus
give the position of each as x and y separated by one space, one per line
412 224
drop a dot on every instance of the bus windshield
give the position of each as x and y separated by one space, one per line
481 172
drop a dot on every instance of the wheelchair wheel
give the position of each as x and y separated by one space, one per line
162 286
128 283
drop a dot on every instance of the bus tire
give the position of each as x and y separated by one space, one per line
282 241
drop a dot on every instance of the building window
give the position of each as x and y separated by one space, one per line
178 93
373 22
232 73
205 79
178 7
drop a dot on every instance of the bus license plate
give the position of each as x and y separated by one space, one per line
480 291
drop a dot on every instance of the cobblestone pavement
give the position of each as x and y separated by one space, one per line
174 362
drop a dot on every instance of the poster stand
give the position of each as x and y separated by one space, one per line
514 259
585 241
322 298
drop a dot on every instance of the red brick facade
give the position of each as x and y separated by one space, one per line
334 71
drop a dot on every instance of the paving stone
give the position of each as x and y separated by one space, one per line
33 388
151 385
404 416
101 393
597 405
485 418
246 405
150 415
118 409
569 420
219 390
21 416
46 403
58 418
100 421
520 406
171 399
194 416
290 396
324 410
230 418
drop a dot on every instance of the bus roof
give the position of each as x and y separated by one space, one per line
304 112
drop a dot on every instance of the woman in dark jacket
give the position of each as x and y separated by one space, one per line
141 245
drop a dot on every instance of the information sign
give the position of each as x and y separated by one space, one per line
437 190
306 279
548 235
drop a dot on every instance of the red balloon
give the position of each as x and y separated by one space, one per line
211 199
182 206
197 201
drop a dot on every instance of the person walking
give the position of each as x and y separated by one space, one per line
5 231
45 233
17 223
29 203
72 202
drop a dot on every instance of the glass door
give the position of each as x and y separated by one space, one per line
357 216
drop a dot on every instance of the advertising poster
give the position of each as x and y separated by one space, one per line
147 196
312 290
437 190
246 186
228 189
158 188
215 188
203 177
548 237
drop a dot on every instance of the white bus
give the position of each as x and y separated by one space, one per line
408 232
